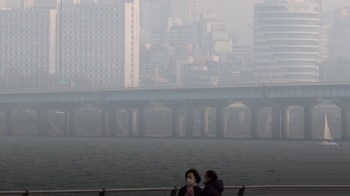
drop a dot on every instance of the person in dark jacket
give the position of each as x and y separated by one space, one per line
192 180
213 186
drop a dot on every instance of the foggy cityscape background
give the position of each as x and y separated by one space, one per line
247 88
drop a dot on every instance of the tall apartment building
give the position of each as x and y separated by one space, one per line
286 41
28 40
154 14
101 42
188 10
3 4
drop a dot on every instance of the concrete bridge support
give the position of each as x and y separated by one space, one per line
43 121
113 126
104 122
276 123
285 121
345 123
69 123
344 104
220 122
254 112
204 122
189 123
176 123
8 122
132 119
142 122
66 123
308 123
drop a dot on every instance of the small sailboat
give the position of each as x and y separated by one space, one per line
328 140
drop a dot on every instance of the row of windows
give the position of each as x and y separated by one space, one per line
289 43
276 49
284 63
103 10
109 31
287 22
286 15
22 48
290 56
95 66
288 29
287 36
3 14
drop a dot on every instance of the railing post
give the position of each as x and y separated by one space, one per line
26 193
173 192
102 193
241 191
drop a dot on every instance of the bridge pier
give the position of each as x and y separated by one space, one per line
104 122
132 120
220 122
142 122
204 122
69 123
66 123
276 123
285 121
344 105
43 121
254 112
308 128
345 123
8 122
176 123
189 123
112 122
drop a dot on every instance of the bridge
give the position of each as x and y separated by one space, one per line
280 97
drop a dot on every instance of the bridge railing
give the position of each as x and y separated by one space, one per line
173 190
111 88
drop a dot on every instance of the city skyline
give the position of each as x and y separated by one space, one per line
238 15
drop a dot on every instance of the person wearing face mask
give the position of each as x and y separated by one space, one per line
213 186
192 180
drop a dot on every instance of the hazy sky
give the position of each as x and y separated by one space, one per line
238 14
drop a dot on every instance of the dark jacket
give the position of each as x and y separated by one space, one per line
197 191
213 188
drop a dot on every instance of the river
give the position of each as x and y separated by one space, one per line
88 162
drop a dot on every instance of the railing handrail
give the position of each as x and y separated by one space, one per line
83 89
172 189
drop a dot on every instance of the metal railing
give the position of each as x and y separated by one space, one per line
173 190
110 88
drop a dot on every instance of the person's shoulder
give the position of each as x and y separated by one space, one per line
197 188
183 188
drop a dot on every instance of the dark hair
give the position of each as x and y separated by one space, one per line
196 175
211 174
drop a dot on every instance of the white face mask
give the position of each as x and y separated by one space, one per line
189 181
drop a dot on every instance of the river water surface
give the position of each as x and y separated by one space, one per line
79 163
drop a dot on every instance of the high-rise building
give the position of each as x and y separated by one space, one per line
286 41
2 3
28 40
101 42
154 14
188 10
340 38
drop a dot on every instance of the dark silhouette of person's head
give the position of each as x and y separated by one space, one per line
194 175
210 175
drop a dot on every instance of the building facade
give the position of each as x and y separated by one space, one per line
28 40
188 10
286 41
101 42
154 14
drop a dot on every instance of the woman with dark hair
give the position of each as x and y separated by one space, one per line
213 186
192 180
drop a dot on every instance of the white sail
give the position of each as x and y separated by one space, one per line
327 134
